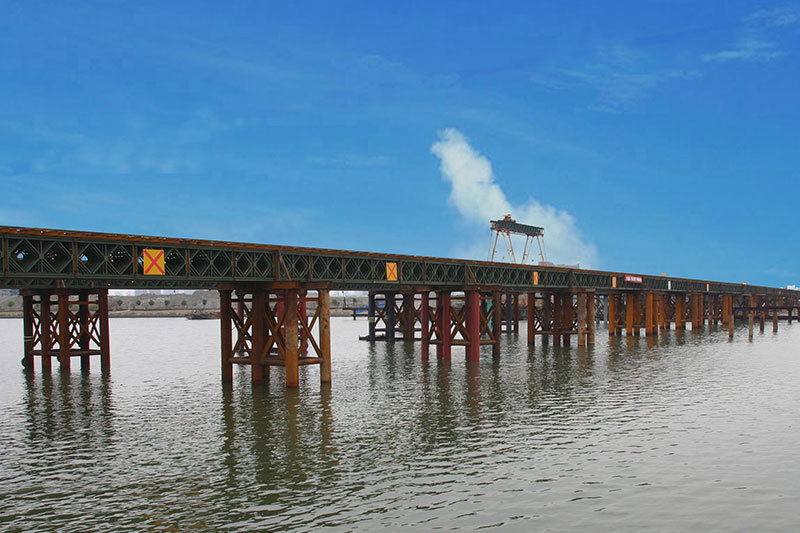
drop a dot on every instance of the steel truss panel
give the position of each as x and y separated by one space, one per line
39 258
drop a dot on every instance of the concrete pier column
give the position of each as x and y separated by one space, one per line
46 331
258 370
291 356
582 319
302 315
730 318
105 332
444 319
590 317
680 311
612 314
774 314
226 335
391 316
63 332
650 315
497 321
508 313
409 316
324 303
547 317
531 319
630 313
371 316
558 318
27 331
425 323
751 302
473 319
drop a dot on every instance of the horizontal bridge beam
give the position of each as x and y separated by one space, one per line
41 258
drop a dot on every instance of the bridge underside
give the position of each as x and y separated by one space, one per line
265 325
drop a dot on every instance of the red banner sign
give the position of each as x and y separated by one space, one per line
633 279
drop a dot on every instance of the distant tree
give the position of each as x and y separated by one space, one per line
11 303
119 303
205 301
152 303
183 303
138 303
166 303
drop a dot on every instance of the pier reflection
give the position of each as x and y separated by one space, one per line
73 407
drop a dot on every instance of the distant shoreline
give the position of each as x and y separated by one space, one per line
163 313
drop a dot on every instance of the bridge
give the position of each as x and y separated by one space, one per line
267 293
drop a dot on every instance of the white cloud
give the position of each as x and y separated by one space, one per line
754 45
479 199
621 75
750 49
779 16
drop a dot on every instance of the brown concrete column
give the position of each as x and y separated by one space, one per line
473 319
443 301
531 320
425 323
680 311
226 337
590 317
630 313
650 315
497 321
612 314
291 335
324 303
105 331
258 336
27 331
63 331
581 319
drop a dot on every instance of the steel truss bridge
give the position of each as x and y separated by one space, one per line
265 291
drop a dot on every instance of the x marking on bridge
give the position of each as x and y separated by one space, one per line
153 262
391 271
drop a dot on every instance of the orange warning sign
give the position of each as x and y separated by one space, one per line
153 262
391 271
535 278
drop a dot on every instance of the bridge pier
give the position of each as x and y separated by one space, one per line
614 314
390 316
561 314
680 311
460 321
75 324
262 325
511 314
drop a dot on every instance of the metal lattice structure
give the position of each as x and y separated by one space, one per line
264 292
48 259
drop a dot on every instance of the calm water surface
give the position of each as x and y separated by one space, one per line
689 432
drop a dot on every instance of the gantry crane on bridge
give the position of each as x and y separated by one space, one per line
508 227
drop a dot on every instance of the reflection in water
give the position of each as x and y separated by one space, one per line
68 405
630 430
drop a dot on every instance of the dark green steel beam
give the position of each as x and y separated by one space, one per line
41 258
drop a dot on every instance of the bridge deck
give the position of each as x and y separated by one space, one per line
47 258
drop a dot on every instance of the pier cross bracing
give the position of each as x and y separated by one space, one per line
268 293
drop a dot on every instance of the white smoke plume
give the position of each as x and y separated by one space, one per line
479 199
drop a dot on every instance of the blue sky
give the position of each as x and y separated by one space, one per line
667 131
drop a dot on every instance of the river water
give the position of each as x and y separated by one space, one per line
688 432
